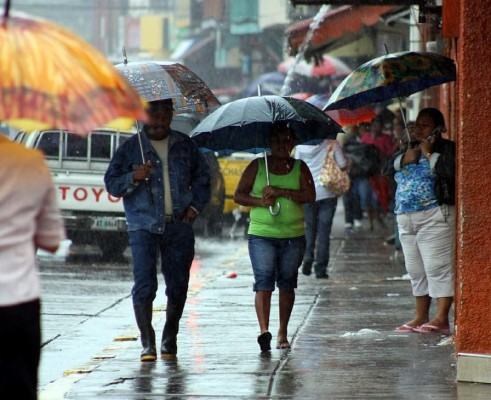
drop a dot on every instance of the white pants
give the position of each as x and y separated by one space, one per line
428 242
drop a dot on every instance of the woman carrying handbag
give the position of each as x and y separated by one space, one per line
319 215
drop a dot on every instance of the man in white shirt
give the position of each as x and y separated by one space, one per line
29 219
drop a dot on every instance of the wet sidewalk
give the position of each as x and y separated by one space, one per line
342 330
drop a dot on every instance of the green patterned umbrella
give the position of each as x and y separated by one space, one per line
391 76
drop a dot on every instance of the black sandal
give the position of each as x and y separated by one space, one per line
264 340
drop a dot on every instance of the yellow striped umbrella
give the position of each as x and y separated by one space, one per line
50 78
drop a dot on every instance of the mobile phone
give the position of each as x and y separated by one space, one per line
436 131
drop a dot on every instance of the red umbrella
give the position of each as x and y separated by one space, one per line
352 117
344 117
328 66
301 95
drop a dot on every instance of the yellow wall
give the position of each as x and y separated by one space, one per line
151 33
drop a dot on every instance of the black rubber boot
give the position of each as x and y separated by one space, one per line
168 347
307 267
320 272
143 315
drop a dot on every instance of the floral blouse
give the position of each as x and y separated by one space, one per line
415 188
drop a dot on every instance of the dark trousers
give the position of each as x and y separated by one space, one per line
20 350
176 249
318 223
351 202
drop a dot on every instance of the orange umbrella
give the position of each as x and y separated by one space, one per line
52 79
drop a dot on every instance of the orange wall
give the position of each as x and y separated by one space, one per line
473 283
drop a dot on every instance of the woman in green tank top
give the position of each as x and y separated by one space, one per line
276 243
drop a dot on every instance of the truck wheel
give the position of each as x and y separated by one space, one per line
113 247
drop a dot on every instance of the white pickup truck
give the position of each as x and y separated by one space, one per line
78 164
91 215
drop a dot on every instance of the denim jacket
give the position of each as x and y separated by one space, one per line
188 174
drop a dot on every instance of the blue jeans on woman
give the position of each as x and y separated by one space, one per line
275 260
318 224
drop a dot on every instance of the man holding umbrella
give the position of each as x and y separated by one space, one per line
162 196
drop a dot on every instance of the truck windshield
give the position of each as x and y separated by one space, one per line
98 146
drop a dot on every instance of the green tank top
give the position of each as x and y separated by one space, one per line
290 221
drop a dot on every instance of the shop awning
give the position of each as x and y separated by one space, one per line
190 46
356 2
335 23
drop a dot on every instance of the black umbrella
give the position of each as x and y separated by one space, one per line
244 124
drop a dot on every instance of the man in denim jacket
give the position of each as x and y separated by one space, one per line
161 199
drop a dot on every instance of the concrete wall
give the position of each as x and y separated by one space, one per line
473 283
273 12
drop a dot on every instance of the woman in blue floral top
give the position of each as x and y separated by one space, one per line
425 197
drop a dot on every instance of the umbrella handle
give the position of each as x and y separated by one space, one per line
272 210
149 191
147 180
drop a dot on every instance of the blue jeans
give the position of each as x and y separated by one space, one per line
368 197
351 202
275 260
318 224
176 249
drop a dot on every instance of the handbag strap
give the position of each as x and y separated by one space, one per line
330 148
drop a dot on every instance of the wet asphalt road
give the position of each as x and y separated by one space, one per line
86 302
343 344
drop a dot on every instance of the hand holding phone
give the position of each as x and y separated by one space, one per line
437 131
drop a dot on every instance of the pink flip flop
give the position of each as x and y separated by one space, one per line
432 329
405 328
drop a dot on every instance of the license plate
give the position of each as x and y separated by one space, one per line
105 224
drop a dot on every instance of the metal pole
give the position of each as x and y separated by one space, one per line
272 210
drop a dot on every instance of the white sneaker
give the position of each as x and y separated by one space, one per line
357 223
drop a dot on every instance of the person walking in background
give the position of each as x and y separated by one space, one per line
375 192
398 134
276 243
161 199
424 206
320 214
353 214
29 220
